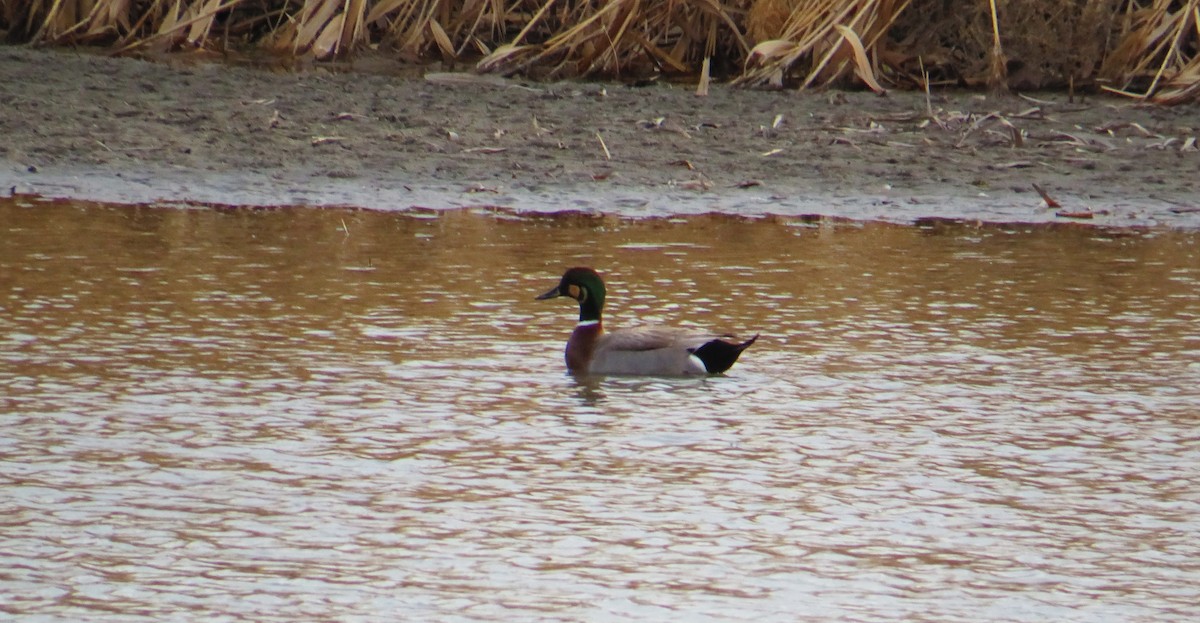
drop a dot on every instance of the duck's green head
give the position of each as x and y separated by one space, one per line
583 285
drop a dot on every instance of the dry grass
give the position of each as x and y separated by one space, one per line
1159 52
621 38
1148 49
823 38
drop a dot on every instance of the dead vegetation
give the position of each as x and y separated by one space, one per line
1148 49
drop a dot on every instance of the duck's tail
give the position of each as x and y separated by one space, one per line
719 355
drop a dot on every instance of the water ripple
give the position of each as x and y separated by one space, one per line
209 417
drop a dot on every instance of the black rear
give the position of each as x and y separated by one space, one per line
719 355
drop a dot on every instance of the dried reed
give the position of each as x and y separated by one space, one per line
615 36
827 33
1148 49
1160 52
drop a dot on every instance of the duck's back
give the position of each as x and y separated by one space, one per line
649 351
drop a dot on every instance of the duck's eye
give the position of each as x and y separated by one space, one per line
576 292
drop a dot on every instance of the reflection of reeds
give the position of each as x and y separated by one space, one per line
1145 48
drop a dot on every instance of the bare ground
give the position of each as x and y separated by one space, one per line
381 136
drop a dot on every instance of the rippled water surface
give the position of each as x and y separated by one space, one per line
336 415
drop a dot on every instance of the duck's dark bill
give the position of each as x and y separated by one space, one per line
553 293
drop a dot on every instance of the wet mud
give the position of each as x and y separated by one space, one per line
377 135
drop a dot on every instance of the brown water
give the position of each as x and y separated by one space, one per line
352 416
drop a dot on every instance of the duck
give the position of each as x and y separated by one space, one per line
647 350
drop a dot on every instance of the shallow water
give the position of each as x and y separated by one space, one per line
281 415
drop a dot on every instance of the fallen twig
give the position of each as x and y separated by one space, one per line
607 154
1050 202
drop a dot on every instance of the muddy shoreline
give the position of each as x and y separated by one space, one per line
384 136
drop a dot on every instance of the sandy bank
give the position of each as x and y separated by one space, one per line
125 130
